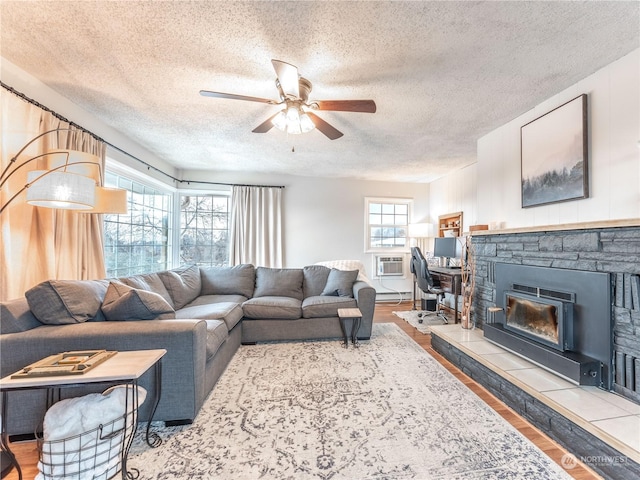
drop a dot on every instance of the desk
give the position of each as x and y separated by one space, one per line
451 282
124 367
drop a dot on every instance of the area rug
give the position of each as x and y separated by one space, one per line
315 410
411 317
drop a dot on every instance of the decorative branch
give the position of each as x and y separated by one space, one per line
468 265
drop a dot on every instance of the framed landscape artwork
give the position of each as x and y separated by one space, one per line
554 155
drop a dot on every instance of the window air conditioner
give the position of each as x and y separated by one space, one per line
389 266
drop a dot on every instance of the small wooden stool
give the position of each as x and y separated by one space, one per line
356 315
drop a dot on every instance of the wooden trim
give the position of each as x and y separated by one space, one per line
631 222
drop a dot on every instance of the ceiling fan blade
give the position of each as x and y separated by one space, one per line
288 77
265 126
331 132
363 106
232 96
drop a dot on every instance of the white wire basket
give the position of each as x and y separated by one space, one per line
98 454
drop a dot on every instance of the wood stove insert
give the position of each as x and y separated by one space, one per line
559 318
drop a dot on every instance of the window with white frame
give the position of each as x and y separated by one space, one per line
387 221
204 229
138 241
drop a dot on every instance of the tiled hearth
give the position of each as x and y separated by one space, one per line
604 426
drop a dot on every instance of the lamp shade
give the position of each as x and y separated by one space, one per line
80 163
420 230
60 190
109 200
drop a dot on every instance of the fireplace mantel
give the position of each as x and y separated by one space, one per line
630 222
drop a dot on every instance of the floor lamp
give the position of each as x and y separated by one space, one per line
67 185
419 233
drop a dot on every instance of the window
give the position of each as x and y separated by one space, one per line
204 230
387 221
139 241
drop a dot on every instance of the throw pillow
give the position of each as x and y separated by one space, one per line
278 282
60 302
148 281
236 280
315 278
123 302
183 284
340 283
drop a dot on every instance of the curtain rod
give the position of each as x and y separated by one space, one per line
149 166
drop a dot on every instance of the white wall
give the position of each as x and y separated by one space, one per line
456 192
614 160
324 217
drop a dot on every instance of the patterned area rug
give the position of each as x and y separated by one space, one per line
315 410
411 317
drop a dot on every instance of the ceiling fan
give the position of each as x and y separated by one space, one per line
296 116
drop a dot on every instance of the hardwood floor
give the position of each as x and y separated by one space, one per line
27 453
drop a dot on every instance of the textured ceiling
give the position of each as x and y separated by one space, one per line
442 73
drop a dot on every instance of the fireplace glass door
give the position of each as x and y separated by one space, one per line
539 319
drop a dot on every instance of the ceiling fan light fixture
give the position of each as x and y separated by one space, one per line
280 121
293 116
306 124
294 128
293 120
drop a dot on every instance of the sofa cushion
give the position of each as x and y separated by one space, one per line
229 312
183 284
340 283
238 280
59 302
272 307
150 282
314 279
278 282
123 302
325 306
206 299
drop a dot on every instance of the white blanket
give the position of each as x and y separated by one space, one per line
347 265
69 451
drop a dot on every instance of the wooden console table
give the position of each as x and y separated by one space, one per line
451 282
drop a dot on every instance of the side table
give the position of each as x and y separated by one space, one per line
125 367
356 315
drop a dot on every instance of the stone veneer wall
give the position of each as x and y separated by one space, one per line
612 250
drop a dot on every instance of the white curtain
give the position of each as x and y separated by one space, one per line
38 244
256 226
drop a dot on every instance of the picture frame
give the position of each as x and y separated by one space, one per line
554 155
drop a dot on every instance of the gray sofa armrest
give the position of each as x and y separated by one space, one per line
183 366
365 295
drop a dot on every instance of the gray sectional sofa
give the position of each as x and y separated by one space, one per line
200 315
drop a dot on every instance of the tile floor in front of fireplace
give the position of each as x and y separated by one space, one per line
608 416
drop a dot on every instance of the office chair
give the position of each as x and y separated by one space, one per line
425 282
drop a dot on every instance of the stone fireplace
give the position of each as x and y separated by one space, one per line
556 272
